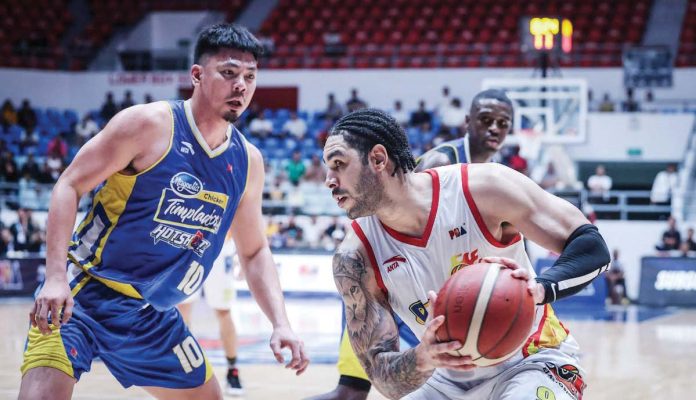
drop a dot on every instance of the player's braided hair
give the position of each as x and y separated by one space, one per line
365 128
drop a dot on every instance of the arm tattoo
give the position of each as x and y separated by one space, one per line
372 330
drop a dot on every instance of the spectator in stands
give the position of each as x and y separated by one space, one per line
26 117
148 98
444 102
649 102
550 180
8 168
54 166
9 114
454 117
516 161
671 238
335 225
684 250
333 109
109 108
295 168
630 105
261 126
23 231
6 241
616 284
294 236
355 103
295 127
421 115
600 183
58 147
664 186
399 114
127 100
312 232
690 239
46 174
86 129
316 172
28 142
606 105
31 168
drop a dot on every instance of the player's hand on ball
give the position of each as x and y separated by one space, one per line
54 296
431 354
535 288
284 337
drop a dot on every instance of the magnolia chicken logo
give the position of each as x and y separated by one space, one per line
393 263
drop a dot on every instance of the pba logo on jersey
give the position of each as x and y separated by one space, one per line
457 232
420 311
569 376
393 263
461 260
186 204
180 239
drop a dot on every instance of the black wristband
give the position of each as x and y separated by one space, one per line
584 257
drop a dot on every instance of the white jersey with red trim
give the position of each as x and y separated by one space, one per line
407 267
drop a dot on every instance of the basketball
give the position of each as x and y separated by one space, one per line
488 310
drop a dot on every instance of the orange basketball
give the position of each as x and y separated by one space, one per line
487 310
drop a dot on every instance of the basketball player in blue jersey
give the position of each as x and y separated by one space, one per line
176 177
411 231
487 125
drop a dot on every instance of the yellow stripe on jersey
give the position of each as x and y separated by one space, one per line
551 333
246 182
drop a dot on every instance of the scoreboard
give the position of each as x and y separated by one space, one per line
546 34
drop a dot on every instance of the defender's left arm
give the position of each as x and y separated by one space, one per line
504 195
248 231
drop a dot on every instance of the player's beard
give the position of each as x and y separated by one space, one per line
231 117
368 195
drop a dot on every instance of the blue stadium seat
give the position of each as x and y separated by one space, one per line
271 143
279 153
290 143
309 143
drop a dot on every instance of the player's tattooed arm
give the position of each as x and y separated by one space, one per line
372 330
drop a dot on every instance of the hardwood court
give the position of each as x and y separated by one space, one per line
628 354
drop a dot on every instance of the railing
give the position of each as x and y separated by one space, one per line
626 204
313 199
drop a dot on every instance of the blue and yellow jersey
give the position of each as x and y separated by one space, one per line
155 235
457 150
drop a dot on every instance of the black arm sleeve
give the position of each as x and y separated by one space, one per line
584 257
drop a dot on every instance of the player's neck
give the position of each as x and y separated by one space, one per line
408 204
211 126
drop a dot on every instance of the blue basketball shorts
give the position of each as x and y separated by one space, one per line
138 344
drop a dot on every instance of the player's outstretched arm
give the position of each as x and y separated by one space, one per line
373 332
129 138
248 231
504 195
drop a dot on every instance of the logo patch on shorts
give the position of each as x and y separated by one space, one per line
73 352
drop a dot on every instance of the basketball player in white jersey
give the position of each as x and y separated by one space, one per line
411 231
220 295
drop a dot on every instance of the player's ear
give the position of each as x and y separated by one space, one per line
378 157
196 71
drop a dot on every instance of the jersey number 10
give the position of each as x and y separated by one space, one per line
193 279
